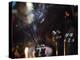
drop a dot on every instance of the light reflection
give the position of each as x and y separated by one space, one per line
30 15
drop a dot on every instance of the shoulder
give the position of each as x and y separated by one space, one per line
13 17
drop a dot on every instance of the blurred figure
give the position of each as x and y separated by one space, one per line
15 52
19 24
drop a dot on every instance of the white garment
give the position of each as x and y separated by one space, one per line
48 51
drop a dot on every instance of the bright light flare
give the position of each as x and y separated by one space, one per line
30 15
26 52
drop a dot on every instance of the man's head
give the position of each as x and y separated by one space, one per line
21 7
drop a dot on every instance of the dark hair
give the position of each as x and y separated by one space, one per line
18 4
